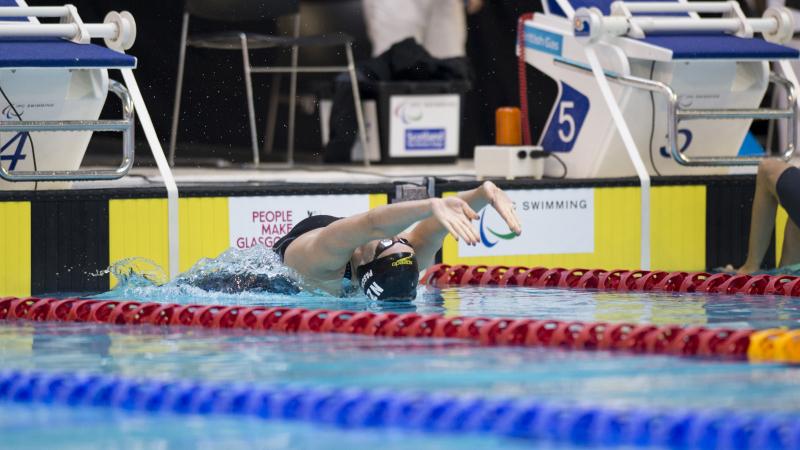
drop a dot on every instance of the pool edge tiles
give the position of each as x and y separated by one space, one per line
428 412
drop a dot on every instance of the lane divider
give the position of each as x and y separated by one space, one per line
779 345
444 275
355 408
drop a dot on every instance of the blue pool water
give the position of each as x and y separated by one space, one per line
429 365
140 281
41 427
460 368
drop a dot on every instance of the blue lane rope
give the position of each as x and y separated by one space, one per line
352 408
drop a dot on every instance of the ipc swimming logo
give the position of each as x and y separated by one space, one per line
486 232
20 139
408 113
11 113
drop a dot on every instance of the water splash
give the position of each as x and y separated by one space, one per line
792 269
250 277
236 277
257 269
136 272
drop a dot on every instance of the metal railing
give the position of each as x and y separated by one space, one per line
126 126
676 114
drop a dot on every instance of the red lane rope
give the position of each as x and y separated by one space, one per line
672 340
443 275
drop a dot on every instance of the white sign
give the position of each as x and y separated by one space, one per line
424 125
554 221
263 220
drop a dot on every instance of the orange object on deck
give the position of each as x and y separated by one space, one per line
508 126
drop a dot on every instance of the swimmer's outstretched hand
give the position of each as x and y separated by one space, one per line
456 216
503 205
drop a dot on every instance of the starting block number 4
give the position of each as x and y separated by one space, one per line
20 139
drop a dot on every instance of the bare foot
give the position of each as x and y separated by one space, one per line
746 270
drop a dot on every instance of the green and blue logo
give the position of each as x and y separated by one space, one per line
485 236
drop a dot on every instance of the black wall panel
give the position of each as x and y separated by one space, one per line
69 243
728 208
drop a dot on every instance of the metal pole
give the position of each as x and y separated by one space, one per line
176 108
362 128
633 153
34 11
272 113
293 93
251 109
163 169
61 30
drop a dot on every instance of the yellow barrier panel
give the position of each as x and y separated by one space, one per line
138 228
678 228
15 265
781 217
204 229
376 200
677 211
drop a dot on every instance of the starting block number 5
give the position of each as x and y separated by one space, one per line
564 118
566 121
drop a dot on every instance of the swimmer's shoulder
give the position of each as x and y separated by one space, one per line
300 256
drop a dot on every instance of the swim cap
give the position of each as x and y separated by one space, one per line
393 277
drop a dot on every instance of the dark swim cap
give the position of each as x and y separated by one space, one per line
393 277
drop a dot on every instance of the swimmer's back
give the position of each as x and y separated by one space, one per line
304 226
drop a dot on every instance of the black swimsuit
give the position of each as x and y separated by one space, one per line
304 226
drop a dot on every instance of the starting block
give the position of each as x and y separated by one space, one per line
53 86
658 83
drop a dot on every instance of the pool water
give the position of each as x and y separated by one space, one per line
143 280
423 366
39 427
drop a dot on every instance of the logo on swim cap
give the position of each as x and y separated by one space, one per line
366 277
393 277
405 261
374 291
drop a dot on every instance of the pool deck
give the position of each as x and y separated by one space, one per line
271 173
355 175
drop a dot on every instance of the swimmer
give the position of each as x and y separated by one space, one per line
776 182
386 254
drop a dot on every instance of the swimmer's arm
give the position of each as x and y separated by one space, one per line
331 247
428 235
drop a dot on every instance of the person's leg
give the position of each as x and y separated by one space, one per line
391 21
762 221
446 29
790 254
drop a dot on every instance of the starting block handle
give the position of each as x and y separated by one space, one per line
776 25
126 126
34 11
675 115
619 8
791 115
119 29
